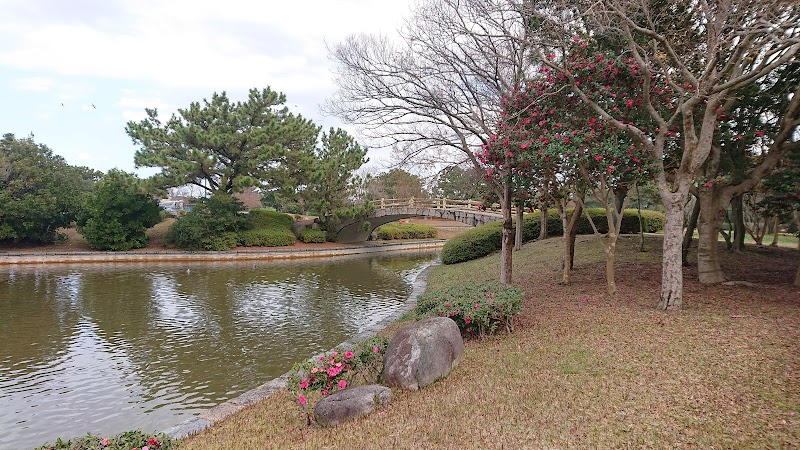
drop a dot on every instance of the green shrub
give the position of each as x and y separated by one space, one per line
485 239
211 225
117 214
121 441
476 308
266 237
263 218
473 243
396 230
652 221
309 235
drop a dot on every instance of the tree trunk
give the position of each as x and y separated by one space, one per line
573 233
689 234
639 212
570 227
797 221
518 231
566 262
543 222
776 235
797 277
611 251
671 268
620 195
739 231
709 269
508 236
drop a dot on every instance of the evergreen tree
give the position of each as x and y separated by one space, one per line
118 213
226 147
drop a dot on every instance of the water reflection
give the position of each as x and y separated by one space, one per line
104 348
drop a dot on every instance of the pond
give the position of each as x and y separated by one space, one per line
105 348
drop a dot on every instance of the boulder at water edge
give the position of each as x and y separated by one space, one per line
422 352
350 403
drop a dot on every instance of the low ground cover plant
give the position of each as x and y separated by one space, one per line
397 230
477 308
312 380
136 440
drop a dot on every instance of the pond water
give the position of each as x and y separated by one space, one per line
105 348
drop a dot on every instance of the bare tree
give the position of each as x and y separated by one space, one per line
434 95
702 52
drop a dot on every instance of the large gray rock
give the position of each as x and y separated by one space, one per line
422 352
351 403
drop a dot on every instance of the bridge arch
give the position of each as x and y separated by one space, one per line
354 230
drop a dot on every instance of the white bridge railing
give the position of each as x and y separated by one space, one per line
439 203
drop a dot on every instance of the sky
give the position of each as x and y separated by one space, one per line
73 73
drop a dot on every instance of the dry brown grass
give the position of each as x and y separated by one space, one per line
72 241
586 371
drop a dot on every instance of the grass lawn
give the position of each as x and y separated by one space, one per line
586 371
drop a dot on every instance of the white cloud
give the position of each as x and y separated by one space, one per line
186 43
36 84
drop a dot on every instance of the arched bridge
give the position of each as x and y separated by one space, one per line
390 210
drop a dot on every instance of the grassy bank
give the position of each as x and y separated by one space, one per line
586 371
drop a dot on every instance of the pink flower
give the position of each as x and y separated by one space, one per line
105 441
302 399
375 349
737 137
348 355
467 320
335 353
610 168
342 384
760 133
629 103
304 384
325 392
477 305
598 157
145 448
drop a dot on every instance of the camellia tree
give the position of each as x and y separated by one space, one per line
547 133
689 58
225 147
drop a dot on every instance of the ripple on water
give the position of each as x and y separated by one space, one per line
105 348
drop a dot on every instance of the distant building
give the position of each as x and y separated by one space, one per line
174 207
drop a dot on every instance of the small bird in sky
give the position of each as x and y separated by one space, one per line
62 104
95 107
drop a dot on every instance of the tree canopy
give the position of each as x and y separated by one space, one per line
39 191
118 212
332 180
225 147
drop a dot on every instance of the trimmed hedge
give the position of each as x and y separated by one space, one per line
485 239
266 237
396 230
263 218
309 235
